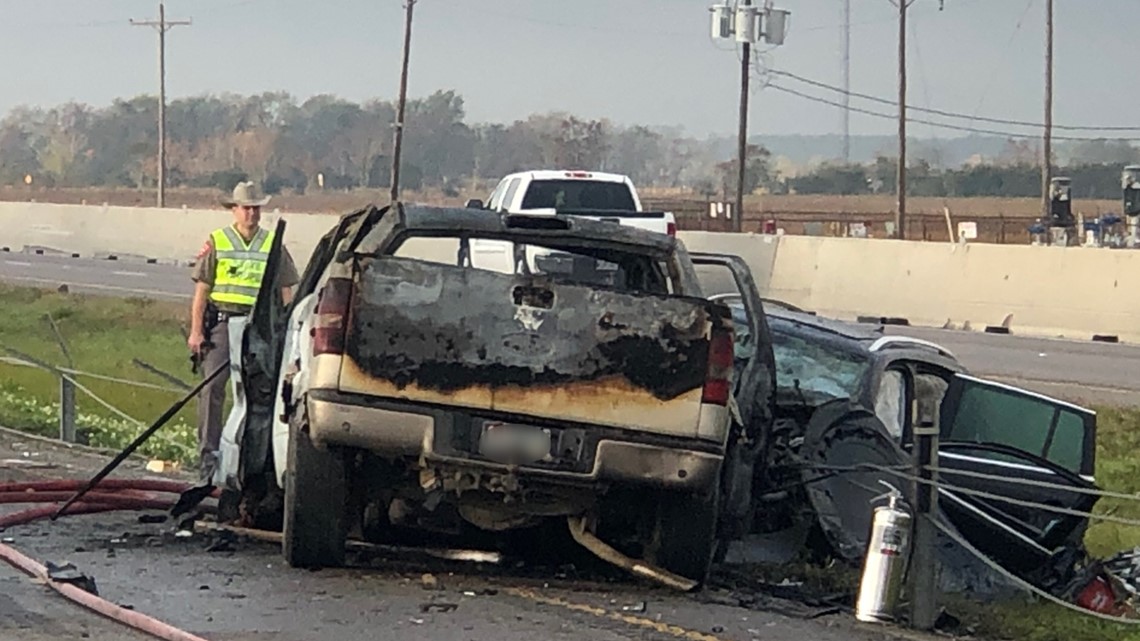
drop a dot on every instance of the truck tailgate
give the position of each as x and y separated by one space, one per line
525 345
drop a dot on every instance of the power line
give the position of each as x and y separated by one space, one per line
977 130
948 114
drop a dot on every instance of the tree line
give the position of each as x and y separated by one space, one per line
1021 179
285 144
212 141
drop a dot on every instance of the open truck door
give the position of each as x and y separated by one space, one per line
251 456
754 387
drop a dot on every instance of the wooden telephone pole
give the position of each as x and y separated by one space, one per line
402 102
900 187
162 25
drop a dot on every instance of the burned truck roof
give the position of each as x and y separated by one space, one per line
426 220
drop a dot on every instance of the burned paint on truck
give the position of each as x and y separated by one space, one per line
534 344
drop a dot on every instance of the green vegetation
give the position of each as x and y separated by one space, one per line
103 335
1118 469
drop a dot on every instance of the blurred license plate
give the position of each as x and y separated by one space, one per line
514 443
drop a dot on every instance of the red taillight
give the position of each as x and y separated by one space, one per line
718 378
671 229
578 174
329 322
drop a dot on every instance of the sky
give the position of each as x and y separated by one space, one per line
650 62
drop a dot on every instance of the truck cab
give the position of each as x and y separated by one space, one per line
589 194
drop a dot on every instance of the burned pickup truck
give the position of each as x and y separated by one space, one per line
404 388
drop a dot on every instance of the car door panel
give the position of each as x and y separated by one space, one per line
1024 446
754 393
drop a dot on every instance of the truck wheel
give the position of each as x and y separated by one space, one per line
315 526
686 533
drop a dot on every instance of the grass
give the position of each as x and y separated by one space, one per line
103 335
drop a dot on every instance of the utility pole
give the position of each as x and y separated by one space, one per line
742 134
402 101
162 25
900 187
1047 147
747 24
846 81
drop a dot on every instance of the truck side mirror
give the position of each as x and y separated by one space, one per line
474 203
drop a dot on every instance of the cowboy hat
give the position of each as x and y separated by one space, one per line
245 194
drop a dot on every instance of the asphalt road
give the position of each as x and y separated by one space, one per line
241 590
1081 371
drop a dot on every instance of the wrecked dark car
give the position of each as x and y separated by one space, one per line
849 395
406 388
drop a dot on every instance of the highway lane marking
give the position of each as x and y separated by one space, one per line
18 263
602 613
140 274
131 290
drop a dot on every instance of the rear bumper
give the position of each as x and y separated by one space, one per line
401 430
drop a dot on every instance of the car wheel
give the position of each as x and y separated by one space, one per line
315 526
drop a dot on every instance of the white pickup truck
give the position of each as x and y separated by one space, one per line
588 194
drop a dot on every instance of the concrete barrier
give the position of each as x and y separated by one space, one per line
758 250
1042 291
168 235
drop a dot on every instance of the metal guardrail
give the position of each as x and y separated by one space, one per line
68 385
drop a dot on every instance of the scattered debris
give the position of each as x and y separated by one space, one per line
163 467
68 573
438 606
223 541
153 518
636 607
1111 586
26 464
429 582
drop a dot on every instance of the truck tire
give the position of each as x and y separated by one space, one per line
315 527
685 533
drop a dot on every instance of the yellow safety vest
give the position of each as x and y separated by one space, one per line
240 265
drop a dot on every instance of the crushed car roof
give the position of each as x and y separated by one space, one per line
846 329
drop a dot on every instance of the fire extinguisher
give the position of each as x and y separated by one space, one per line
885 563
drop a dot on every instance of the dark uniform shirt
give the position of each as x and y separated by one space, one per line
206 266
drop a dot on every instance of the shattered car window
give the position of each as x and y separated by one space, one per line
625 271
820 366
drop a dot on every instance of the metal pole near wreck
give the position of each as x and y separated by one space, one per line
923 583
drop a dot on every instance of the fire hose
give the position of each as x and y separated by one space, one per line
105 496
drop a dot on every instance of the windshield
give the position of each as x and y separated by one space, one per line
817 362
578 194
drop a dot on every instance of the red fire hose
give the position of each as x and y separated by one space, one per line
112 494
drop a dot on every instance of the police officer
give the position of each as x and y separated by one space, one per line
227 277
